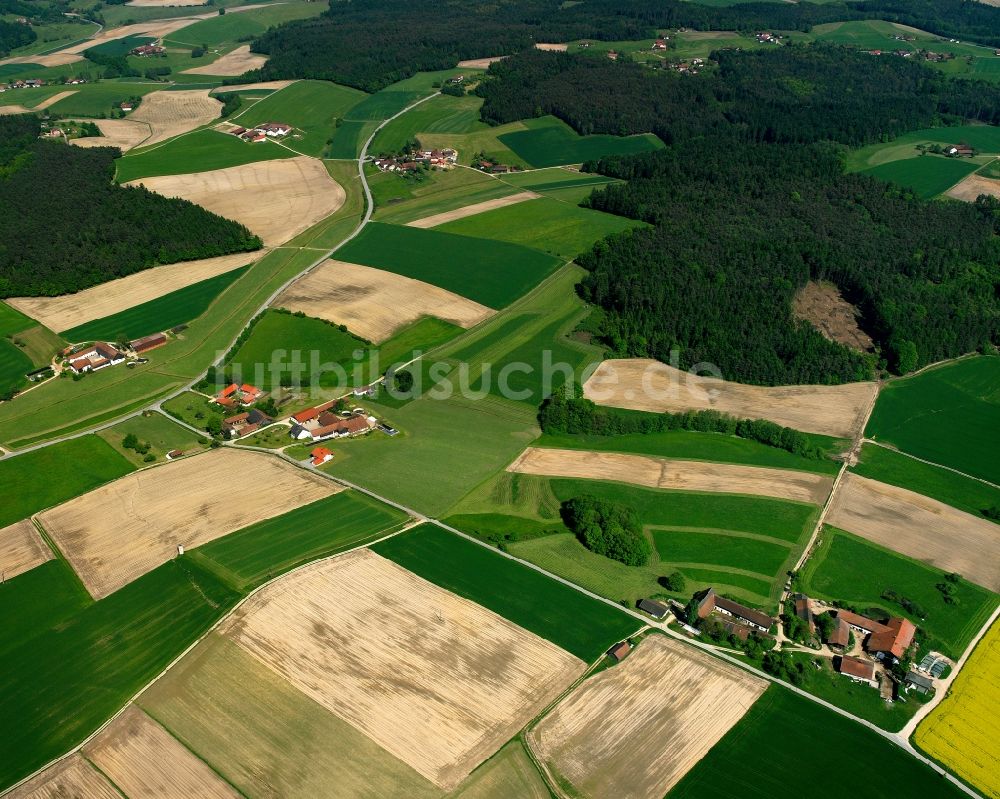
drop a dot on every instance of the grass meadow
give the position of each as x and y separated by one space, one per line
349 136
854 570
948 415
99 99
557 228
226 28
984 138
582 626
163 313
927 175
402 199
551 142
201 151
752 760
491 273
946 486
155 429
382 105
14 362
441 114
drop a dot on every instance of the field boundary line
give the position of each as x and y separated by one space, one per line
929 463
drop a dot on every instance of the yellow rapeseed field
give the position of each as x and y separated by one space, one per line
963 733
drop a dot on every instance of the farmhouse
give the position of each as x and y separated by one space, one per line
320 455
147 343
654 609
712 602
234 394
961 151
840 634
803 611
146 50
245 424
263 131
126 106
620 650
887 641
660 44
329 425
99 356
857 669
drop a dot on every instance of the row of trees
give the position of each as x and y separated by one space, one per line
69 226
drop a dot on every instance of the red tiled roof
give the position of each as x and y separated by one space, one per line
621 650
240 417
841 633
306 415
856 667
857 620
895 637
228 391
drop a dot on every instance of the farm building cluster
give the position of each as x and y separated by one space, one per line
262 132
484 164
235 395
321 422
245 424
101 354
31 83
148 50
415 159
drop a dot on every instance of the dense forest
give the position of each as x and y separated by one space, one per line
13 34
67 226
370 44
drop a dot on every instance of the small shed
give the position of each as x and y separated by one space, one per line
655 609
620 650
919 682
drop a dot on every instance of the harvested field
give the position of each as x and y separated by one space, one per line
634 730
974 185
646 385
121 133
20 109
71 310
373 303
436 680
157 28
127 528
555 48
231 64
472 210
822 305
919 527
71 778
277 200
58 59
652 472
21 549
169 114
479 63
164 3
143 759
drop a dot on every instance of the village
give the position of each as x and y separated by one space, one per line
261 132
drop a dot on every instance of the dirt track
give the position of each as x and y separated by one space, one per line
71 778
122 530
277 200
919 527
169 114
231 64
121 133
436 680
69 310
143 759
647 385
974 185
373 303
679 475
472 210
635 730
21 549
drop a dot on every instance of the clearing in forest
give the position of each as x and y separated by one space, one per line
436 680
822 305
72 310
277 200
637 728
653 472
21 549
973 186
373 303
643 384
127 528
919 527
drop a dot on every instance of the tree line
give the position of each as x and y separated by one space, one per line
67 226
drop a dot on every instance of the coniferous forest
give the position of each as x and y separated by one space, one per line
74 228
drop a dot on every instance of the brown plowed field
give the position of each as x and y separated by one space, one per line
436 680
652 472
124 529
21 549
647 385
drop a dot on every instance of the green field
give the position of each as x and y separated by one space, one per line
155 429
849 568
14 363
752 760
550 142
39 598
554 179
716 548
259 552
985 138
98 99
383 104
310 106
491 273
241 26
948 415
116 47
349 137
163 313
201 151
558 228
690 445
441 114
401 200
946 486
927 175
579 624
43 478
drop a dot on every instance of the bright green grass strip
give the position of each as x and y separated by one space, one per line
201 151
849 568
12 320
556 143
946 486
491 273
99 99
691 445
717 577
60 685
43 478
716 548
751 761
557 228
927 175
38 599
14 365
257 553
579 624
163 313
948 415
349 136
382 105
